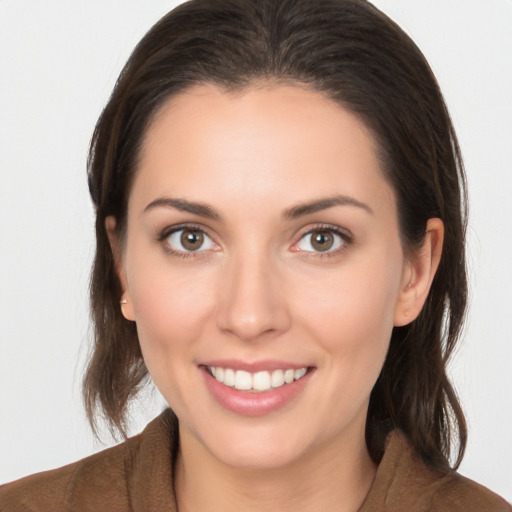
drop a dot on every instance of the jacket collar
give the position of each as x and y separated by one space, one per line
150 469
401 477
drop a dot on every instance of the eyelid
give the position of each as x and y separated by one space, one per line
169 230
344 233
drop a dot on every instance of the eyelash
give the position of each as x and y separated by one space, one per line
346 237
167 232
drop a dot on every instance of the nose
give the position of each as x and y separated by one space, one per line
252 301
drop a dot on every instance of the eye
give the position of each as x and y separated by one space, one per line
189 240
322 240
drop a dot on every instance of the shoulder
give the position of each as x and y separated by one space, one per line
455 492
54 490
403 483
134 475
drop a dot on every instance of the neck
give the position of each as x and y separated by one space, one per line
328 478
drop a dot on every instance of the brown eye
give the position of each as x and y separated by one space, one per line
322 240
189 240
192 240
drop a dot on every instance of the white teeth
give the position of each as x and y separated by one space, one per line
259 381
229 377
300 373
243 380
289 376
277 378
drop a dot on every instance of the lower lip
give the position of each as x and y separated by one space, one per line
252 403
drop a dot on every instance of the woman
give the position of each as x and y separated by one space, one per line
279 243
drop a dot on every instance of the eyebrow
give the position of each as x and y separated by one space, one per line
322 204
299 210
202 209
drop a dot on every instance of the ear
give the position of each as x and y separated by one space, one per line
418 274
125 302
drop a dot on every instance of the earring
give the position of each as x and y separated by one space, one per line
123 302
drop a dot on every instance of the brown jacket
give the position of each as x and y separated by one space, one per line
136 476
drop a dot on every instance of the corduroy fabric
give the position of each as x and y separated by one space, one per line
136 476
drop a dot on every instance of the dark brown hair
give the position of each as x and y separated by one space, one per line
354 54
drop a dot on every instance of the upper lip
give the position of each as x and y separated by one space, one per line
254 366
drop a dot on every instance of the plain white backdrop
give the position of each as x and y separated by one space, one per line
58 63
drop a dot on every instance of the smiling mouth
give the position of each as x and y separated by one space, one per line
256 382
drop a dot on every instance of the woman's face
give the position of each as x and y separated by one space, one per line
262 246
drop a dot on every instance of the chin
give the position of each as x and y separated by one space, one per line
256 444
259 453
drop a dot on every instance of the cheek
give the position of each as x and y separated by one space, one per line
171 307
350 319
350 313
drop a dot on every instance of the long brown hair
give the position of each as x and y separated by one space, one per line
354 54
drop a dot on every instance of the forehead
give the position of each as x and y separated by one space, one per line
256 143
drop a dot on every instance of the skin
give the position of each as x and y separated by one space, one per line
259 290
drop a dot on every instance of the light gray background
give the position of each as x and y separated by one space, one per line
58 63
